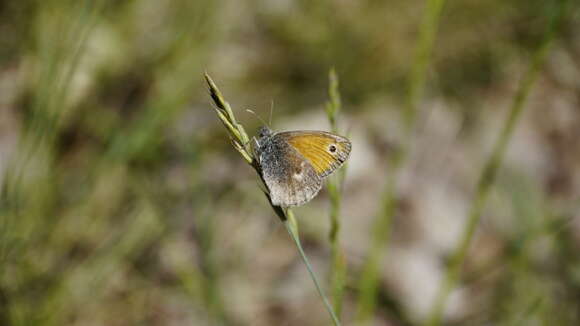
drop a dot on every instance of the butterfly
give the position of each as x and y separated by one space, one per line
294 164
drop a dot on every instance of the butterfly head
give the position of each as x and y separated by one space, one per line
264 131
260 141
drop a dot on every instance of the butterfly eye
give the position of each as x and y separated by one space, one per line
332 148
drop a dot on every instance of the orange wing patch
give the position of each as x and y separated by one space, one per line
325 151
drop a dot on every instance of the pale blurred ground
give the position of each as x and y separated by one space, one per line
123 203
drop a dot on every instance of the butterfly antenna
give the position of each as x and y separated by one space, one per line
271 113
257 116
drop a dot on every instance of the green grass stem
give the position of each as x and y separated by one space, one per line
369 281
421 60
338 269
492 166
291 226
241 143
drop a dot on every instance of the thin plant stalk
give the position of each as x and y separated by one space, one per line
422 58
292 228
338 270
241 143
369 281
491 168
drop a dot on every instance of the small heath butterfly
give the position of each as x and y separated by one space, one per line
295 163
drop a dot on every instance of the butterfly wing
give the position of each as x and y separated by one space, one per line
325 151
291 180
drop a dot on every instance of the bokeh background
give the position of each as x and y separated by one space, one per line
122 201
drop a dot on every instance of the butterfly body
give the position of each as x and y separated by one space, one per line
294 163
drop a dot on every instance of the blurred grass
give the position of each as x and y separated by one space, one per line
32 224
29 196
369 281
492 165
120 203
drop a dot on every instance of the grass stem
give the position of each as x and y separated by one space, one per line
338 269
491 168
241 143
290 224
368 285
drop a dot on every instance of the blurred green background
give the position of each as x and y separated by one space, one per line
122 201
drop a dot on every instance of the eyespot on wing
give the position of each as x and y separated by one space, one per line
325 151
